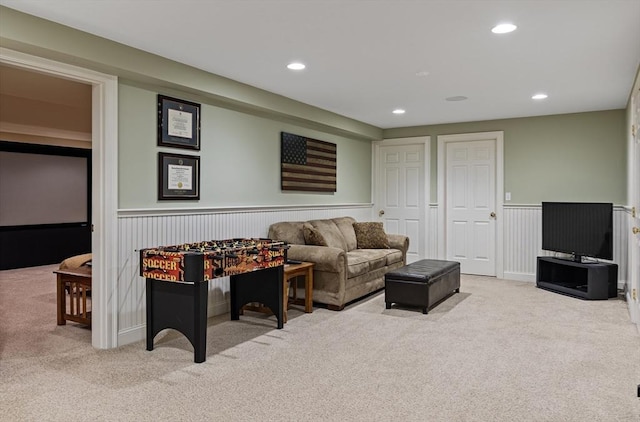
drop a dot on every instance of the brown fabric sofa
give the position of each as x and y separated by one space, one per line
342 271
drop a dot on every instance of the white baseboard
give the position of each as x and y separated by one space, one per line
634 310
132 335
218 308
520 276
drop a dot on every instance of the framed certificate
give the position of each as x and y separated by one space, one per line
179 176
178 123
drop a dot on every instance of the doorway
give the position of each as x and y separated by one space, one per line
104 104
470 189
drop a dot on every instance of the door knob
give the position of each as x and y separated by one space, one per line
380 213
492 215
635 230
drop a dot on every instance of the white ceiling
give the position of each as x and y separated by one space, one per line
363 57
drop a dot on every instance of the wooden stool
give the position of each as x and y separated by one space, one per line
76 283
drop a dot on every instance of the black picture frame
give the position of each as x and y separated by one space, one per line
178 177
178 123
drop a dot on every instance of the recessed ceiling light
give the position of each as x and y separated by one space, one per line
503 28
398 111
422 73
539 96
457 98
296 66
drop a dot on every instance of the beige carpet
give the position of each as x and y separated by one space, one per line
498 351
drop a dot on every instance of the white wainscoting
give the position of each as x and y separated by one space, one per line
432 232
523 240
139 229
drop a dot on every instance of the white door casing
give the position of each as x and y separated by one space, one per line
104 138
401 190
470 189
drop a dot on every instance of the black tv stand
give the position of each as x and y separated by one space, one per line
586 280
577 258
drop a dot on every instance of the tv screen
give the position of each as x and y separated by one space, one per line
28 181
578 228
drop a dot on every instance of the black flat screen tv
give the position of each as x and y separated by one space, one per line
578 228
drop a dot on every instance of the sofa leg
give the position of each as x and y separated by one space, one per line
335 307
388 305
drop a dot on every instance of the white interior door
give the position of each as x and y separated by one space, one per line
634 240
401 202
471 206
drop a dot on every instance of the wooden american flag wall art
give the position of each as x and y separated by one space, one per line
307 164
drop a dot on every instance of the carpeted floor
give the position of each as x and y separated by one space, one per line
498 351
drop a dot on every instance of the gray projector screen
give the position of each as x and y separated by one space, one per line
42 189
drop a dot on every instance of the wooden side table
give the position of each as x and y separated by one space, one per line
78 282
291 271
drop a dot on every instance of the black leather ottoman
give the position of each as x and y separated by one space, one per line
422 283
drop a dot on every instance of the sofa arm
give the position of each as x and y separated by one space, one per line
400 242
326 259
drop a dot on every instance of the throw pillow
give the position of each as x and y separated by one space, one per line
371 235
313 236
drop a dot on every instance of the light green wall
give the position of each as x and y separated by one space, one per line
239 158
569 157
241 125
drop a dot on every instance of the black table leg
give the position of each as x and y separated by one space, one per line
264 286
235 310
150 331
181 306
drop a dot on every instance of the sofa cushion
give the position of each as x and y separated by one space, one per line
312 236
345 225
371 235
393 256
357 263
287 231
377 258
331 233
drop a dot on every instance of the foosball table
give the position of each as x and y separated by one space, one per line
177 283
